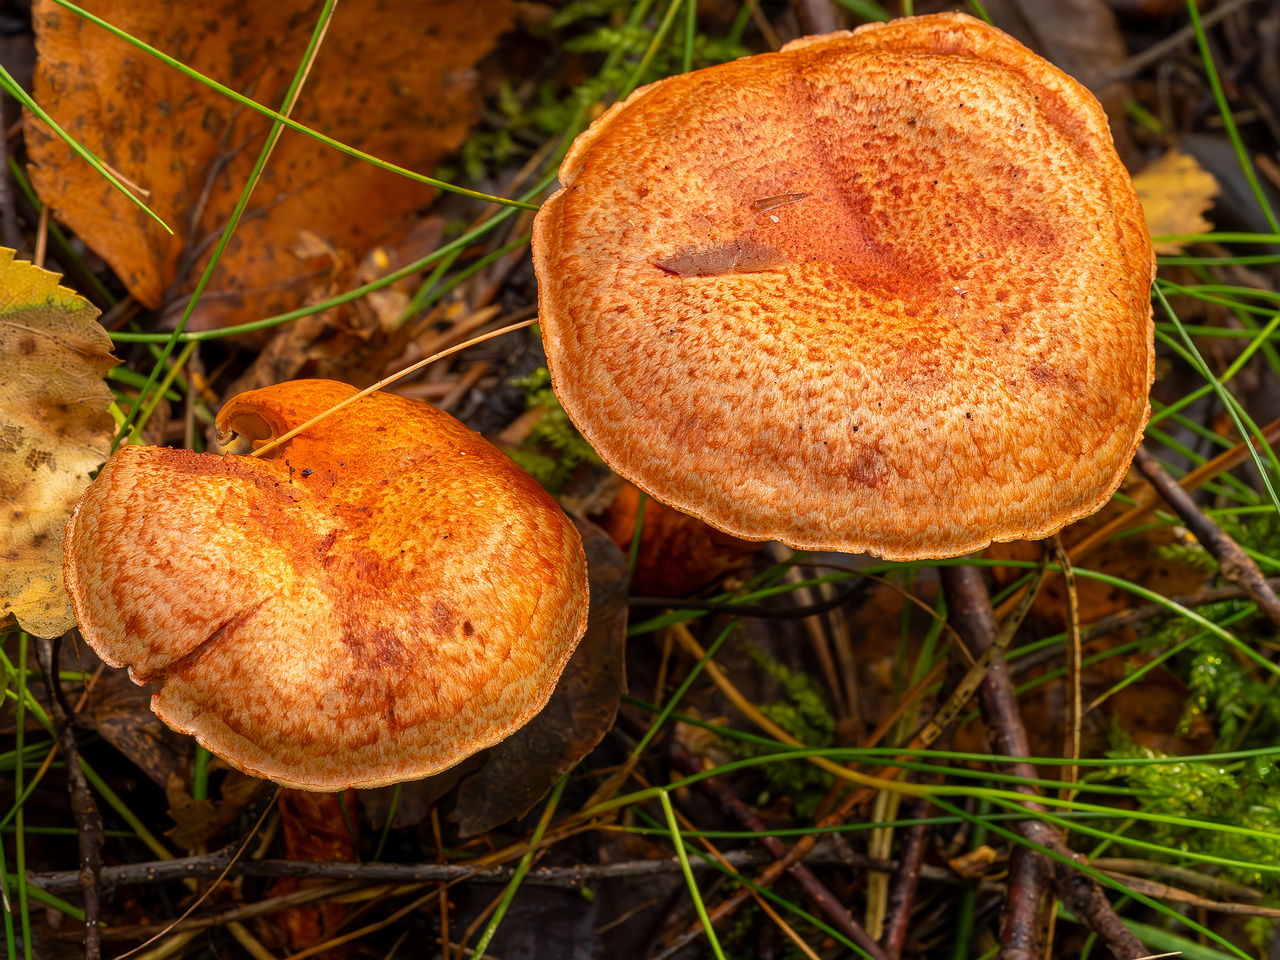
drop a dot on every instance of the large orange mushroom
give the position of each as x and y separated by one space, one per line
382 597
882 291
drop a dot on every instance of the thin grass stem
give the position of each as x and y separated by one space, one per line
698 905
521 869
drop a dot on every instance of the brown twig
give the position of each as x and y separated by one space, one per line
42 237
88 820
970 607
1184 875
1170 44
771 913
210 866
438 836
229 915
902 894
1071 745
1146 501
1166 892
804 846
1234 564
923 738
1020 937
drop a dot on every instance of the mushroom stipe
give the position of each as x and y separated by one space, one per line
949 341
384 596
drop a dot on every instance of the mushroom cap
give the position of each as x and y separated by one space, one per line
384 596
885 291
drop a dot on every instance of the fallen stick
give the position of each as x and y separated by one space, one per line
969 606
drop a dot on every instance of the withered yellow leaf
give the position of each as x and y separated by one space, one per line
54 431
1175 192
394 78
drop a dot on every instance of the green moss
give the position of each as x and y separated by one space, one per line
1191 554
803 712
1244 794
554 448
552 109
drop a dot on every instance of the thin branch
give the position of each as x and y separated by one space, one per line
1170 44
1234 564
210 866
902 895
970 607
855 798
1146 500
88 820
1020 938
1071 745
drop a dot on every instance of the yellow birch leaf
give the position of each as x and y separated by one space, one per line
1175 192
54 431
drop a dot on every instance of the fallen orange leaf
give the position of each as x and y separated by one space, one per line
393 79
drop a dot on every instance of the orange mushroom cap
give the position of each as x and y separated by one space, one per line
384 596
885 291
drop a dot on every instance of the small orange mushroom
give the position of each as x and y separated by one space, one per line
382 597
885 291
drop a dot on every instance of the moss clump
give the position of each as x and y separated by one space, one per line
802 711
554 448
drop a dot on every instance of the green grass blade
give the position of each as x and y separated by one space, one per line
680 691
65 252
200 774
1101 878
981 10
690 34
521 869
1228 121
20 722
49 900
392 807
651 51
1173 651
688 876
1165 942
773 897
868 10
6 907
14 89
320 307
1238 415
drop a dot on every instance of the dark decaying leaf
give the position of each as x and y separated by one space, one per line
417 797
120 711
314 829
522 768
678 553
199 821
741 255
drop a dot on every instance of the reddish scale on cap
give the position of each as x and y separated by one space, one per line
883 291
384 596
